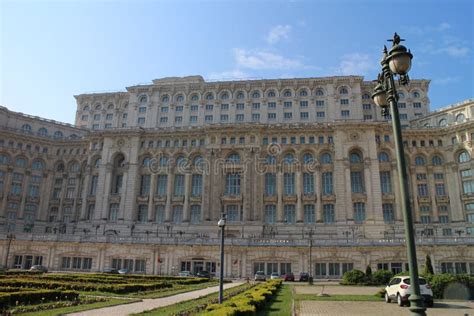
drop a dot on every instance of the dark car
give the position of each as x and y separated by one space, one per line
304 277
111 271
38 268
203 274
289 277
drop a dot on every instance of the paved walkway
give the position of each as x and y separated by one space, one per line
337 289
147 304
333 308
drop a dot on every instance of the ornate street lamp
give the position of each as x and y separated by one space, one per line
397 61
221 224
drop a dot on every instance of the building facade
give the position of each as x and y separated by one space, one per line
303 169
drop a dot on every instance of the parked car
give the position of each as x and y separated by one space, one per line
203 274
304 277
289 277
111 271
260 276
38 268
399 289
124 271
274 275
184 274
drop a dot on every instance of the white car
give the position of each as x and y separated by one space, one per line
399 289
274 275
184 274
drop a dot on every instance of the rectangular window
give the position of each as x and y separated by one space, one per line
319 103
232 184
328 213
113 211
425 219
239 106
177 214
304 104
224 117
194 108
179 185
308 183
85 117
422 189
272 105
208 118
468 186
287 115
209 107
193 119
346 267
195 214
93 188
334 269
179 108
388 214
466 173
327 183
304 115
142 216
344 101
255 106
289 183
357 182
270 184
159 214
367 106
289 214
320 269
96 117
145 185
444 219
164 109
255 117
320 115
367 117
287 104
232 213
440 190
402 105
309 214
196 185
224 107
271 116
403 116
178 119
345 113
162 184
359 212
385 182
141 120
416 105
239 117
270 214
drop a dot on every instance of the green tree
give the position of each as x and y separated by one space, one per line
428 270
368 272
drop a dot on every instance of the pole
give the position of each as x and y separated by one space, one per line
416 300
10 238
221 274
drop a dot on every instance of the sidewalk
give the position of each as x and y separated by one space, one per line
147 304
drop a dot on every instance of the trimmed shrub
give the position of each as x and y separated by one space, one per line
37 296
353 277
452 286
368 272
381 277
428 269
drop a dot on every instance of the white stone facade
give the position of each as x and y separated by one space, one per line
148 196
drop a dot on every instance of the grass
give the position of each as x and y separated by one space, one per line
188 305
79 308
352 298
280 304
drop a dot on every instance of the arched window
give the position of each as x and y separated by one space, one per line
125 106
224 96
26 128
303 93
180 98
366 96
256 95
146 162
355 157
110 106
463 157
326 158
181 161
58 134
343 90
436 160
198 161
442 122
165 99
4 160
271 94
234 158
73 136
119 161
416 94
98 106
287 93
240 95
85 108
60 167
419 161
20 162
460 117
384 157
319 92
37 165
401 95
270 160
97 163
289 159
308 158
75 167
43 132
209 96
195 97
164 161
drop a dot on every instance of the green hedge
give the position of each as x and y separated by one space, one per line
452 286
357 277
246 303
32 297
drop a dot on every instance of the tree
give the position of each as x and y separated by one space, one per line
428 270
368 272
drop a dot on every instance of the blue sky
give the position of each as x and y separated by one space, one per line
51 50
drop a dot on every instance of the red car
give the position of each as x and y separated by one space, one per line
289 277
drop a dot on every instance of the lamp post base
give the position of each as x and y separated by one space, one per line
417 306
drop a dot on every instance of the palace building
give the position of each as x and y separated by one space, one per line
303 169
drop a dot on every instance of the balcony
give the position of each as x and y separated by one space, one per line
142 198
32 199
290 198
309 197
159 198
195 198
424 199
328 197
177 198
442 199
231 198
270 198
14 196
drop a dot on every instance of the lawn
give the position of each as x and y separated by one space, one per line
281 304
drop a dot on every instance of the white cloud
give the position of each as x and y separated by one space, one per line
443 26
264 60
446 80
235 74
278 33
356 64
422 30
449 45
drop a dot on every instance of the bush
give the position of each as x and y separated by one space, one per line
354 277
381 277
452 286
428 270
368 272
37 296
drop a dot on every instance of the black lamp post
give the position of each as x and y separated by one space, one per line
221 224
10 237
397 61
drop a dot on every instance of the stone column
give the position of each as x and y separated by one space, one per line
453 182
414 194
62 197
396 190
24 193
279 180
169 195
319 188
107 189
6 191
432 193
187 193
151 194
299 196
85 193
45 195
